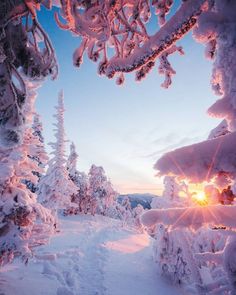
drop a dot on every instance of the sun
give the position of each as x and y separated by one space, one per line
201 198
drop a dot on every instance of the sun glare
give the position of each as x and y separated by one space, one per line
200 198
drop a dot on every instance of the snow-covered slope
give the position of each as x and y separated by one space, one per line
90 256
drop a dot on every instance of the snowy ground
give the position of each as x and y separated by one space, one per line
90 256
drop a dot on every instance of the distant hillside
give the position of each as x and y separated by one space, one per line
135 199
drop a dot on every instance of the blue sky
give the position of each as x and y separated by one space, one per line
126 129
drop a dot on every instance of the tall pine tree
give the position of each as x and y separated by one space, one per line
56 188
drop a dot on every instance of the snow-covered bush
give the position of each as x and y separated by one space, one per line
172 249
174 256
197 219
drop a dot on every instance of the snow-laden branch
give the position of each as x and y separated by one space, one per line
24 47
201 161
116 33
182 21
195 217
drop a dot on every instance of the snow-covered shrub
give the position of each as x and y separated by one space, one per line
219 218
137 213
174 256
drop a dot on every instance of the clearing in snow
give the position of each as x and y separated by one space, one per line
89 256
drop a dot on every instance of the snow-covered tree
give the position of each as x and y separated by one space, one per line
171 188
80 179
100 191
82 198
37 153
72 162
24 47
40 155
137 213
55 187
24 223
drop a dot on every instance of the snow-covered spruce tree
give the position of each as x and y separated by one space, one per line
101 192
82 198
24 223
80 179
55 187
72 162
37 153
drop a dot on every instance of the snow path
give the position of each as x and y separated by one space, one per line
90 256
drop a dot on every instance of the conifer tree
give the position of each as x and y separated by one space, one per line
56 188
37 153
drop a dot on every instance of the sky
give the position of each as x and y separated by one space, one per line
127 128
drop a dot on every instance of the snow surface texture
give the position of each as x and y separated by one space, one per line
91 255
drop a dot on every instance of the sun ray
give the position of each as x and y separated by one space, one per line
181 216
214 158
178 167
212 214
